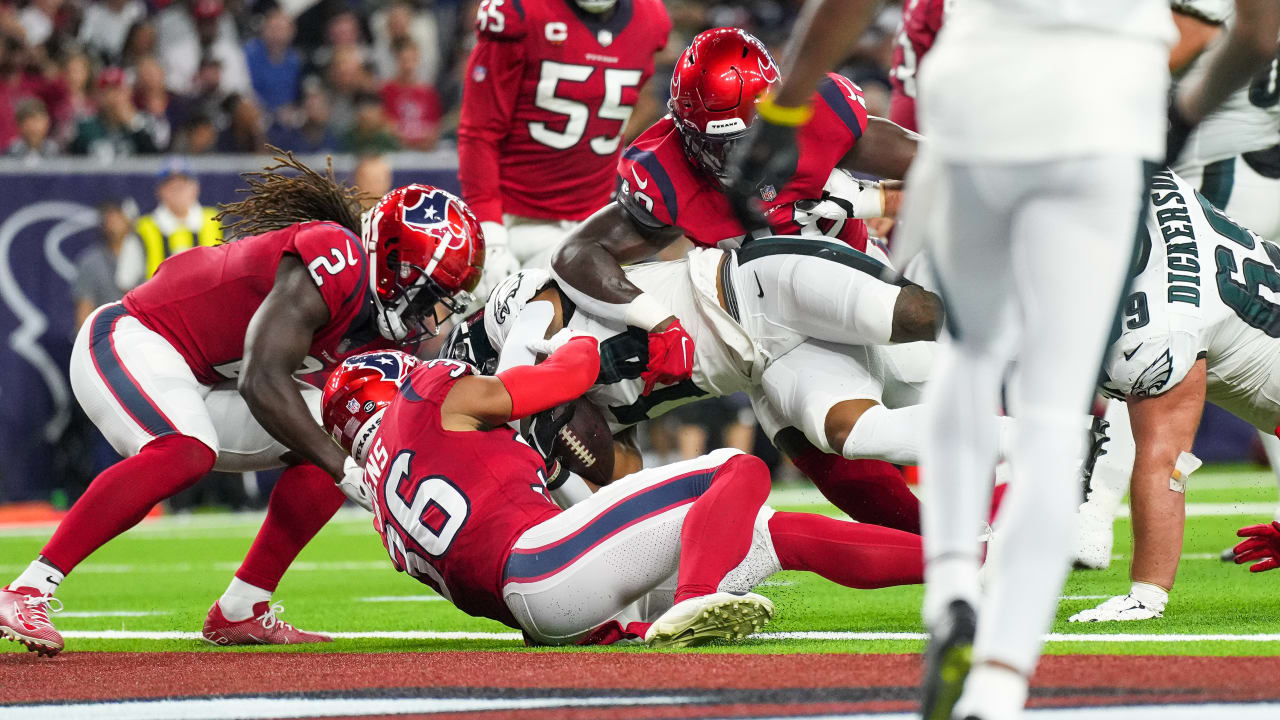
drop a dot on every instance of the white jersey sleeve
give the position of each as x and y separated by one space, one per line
1210 11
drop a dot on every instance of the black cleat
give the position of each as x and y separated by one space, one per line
947 660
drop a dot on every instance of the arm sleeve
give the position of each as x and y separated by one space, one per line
565 375
488 104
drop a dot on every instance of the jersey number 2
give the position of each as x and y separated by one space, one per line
578 113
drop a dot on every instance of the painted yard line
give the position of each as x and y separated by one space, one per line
805 635
109 613
120 569
271 707
1084 597
1194 711
401 598
1195 509
178 524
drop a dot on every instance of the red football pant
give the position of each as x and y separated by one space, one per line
301 503
716 533
855 555
124 493
869 491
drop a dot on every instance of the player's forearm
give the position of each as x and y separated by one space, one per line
1250 43
821 37
564 376
1159 516
479 176
276 403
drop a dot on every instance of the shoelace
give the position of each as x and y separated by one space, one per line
269 619
40 605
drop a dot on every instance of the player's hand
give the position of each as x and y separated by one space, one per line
670 356
543 429
559 340
762 162
354 486
1180 128
499 263
1263 545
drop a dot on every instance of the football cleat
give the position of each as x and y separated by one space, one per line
1120 607
264 628
1095 538
24 619
706 618
947 660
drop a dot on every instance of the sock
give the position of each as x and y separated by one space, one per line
852 554
892 435
124 493
1153 596
40 576
949 578
869 491
992 692
997 497
239 601
301 503
717 531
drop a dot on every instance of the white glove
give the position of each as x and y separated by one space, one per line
353 485
557 341
1118 608
499 263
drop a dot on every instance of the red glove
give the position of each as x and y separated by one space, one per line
1263 545
670 357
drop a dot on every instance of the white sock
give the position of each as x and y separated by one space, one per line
238 601
946 579
41 576
1153 596
884 434
992 692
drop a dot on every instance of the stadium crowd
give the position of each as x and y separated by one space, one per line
114 78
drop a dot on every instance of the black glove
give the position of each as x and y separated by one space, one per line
1098 439
760 165
1179 130
543 430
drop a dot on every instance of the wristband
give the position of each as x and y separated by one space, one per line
779 115
646 312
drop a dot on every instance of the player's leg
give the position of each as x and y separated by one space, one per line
856 555
302 501
1107 486
1091 206
140 393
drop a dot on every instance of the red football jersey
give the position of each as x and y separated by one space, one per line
202 300
450 505
660 186
921 21
549 89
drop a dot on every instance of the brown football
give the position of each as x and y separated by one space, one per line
585 445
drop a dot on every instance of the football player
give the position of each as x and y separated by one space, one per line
921 21
668 554
197 368
670 185
548 91
1200 324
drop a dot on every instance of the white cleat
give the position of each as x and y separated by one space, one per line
1118 608
1094 540
706 618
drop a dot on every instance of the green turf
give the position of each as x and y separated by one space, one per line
177 570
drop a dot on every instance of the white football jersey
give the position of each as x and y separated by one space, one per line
1249 119
1136 18
1205 287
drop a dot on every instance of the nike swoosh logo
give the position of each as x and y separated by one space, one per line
1129 355
758 285
684 349
642 184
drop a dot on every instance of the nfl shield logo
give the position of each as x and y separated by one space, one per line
353 405
768 193
605 38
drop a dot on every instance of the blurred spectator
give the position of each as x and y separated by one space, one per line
151 97
412 106
372 176
342 34
77 105
370 133
396 24
99 277
179 222
33 141
38 20
309 130
197 135
105 25
245 131
275 67
190 30
347 79
118 129
139 42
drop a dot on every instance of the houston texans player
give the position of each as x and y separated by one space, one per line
670 184
921 22
549 88
196 369
669 554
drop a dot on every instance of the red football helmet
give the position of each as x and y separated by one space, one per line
357 392
714 90
425 248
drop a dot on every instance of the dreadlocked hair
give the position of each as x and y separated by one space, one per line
299 194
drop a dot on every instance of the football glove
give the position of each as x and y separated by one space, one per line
1118 608
499 263
670 357
1263 545
354 486
557 341
543 430
763 161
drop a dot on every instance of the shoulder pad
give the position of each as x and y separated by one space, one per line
500 19
1148 365
645 188
845 99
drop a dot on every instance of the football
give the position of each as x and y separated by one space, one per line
585 445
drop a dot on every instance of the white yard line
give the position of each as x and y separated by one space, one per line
401 598
108 613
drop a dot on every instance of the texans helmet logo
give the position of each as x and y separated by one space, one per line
389 364
436 213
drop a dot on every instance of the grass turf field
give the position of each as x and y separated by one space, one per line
149 590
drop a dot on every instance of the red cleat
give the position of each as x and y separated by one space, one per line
265 628
24 618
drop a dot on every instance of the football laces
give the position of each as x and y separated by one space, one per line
576 447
